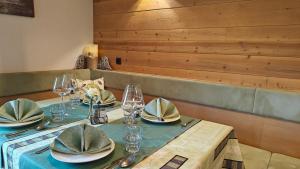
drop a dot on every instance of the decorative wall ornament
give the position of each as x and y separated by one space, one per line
17 7
104 63
81 62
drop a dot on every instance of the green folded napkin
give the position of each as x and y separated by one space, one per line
20 111
160 108
88 92
99 96
81 139
105 97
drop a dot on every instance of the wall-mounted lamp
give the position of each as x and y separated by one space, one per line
91 51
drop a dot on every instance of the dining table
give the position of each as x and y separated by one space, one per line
200 144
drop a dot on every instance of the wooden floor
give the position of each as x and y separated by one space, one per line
265 133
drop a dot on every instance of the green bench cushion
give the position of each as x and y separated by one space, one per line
217 95
269 103
255 158
29 82
279 161
275 104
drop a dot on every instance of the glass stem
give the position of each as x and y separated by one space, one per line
91 107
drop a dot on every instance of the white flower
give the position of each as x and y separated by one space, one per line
92 92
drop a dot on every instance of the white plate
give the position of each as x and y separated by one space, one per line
168 120
20 124
82 158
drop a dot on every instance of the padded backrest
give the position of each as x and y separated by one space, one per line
217 95
29 82
277 104
263 102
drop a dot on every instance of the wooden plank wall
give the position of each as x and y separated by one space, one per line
253 43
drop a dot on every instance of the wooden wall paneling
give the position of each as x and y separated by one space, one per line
125 6
246 13
218 77
288 67
282 49
269 134
253 35
283 84
225 78
259 34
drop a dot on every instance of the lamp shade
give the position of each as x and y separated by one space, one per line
91 50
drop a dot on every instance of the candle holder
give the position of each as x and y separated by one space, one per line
99 115
90 107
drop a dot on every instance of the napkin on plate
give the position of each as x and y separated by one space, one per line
81 139
20 111
88 92
105 97
160 108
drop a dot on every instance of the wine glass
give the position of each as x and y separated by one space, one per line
132 103
62 87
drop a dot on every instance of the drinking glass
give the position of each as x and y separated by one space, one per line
132 103
133 139
74 92
99 115
57 112
62 87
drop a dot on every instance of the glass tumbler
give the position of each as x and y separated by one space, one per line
133 139
57 112
98 116
75 100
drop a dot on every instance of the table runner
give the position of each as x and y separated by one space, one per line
155 136
74 115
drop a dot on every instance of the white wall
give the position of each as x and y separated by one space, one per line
51 40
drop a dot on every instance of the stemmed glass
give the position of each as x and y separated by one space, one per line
62 87
132 103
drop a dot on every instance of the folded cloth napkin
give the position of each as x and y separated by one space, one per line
160 108
105 97
81 139
20 110
90 91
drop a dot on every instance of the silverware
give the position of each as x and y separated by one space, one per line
42 150
18 133
127 161
187 123
114 163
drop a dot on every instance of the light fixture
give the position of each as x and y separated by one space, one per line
91 51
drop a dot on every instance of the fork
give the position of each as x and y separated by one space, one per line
42 150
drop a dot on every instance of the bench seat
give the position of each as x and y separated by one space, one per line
255 158
279 161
